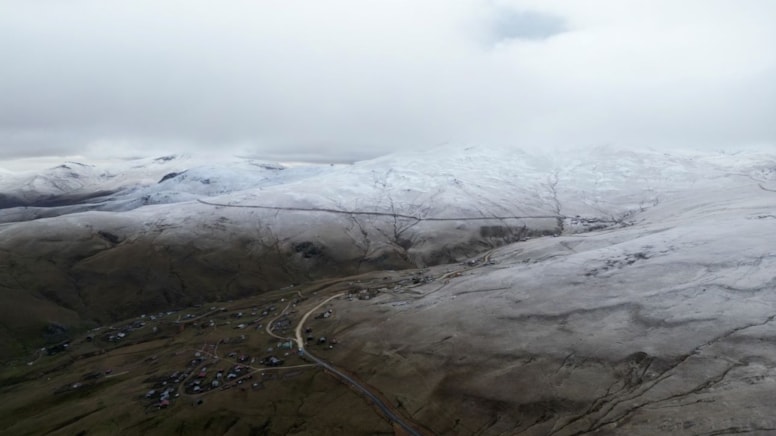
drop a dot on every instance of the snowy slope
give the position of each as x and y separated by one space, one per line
398 199
481 181
118 240
75 178
650 310
441 182
76 187
661 327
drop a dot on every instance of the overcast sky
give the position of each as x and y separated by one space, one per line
345 80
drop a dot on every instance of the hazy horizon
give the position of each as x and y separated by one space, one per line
346 81
39 163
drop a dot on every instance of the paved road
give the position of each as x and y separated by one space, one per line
387 410
386 214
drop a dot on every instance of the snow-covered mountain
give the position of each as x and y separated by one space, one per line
83 244
77 187
446 181
607 292
665 326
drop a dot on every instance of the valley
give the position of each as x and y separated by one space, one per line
639 298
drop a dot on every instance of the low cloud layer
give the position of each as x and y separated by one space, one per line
341 80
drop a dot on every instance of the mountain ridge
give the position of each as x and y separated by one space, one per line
252 228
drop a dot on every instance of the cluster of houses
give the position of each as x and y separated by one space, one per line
480 261
161 399
199 378
238 319
165 389
117 334
202 373
282 325
58 348
580 224
325 315
320 340
205 381
364 294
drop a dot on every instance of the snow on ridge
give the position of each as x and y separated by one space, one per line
446 181
76 178
455 180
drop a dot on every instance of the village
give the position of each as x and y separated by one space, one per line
228 349
255 358
184 358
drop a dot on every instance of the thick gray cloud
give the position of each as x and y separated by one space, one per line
511 24
352 78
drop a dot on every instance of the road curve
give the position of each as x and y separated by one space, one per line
269 324
379 403
300 326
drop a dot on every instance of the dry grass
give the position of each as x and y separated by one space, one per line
70 393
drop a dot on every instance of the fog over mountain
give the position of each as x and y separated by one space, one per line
344 81
479 217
